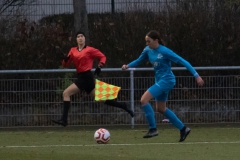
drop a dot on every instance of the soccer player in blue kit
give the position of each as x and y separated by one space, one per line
161 58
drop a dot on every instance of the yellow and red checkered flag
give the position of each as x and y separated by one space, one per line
105 91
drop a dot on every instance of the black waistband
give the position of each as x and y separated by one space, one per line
84 73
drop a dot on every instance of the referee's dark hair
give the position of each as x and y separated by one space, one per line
80 32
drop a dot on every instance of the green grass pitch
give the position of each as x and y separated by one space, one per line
203 143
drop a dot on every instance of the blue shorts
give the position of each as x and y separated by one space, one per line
160 90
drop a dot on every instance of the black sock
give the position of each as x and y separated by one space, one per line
123 106
66 106
116 104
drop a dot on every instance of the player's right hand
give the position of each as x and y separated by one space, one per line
124 67
66 58
200 81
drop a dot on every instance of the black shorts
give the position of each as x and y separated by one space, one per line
85 81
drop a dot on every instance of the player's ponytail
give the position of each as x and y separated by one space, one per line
161 41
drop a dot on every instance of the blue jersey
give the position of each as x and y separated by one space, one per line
161 59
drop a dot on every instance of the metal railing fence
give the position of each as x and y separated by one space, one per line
37 9
32 101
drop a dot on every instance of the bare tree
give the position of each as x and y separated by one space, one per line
11 12
13 5
80 17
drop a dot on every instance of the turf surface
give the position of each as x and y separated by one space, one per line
210 143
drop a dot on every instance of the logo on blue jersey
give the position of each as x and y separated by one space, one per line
159 56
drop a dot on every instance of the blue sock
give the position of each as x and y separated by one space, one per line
149 113
173 119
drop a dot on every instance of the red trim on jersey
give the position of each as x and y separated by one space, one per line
83 60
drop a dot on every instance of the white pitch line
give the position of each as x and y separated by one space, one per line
140 144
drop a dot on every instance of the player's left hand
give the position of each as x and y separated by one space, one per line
200 81
97 71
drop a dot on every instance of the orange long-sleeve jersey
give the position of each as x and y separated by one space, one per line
83 60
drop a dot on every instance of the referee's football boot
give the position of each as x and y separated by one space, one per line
151 133
184 133
62 122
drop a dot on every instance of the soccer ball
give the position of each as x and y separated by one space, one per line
102 136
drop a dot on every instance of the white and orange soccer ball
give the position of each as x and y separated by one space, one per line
102 136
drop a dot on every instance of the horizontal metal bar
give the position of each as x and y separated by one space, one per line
114 69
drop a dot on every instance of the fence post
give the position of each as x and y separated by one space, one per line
132 94
113 6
